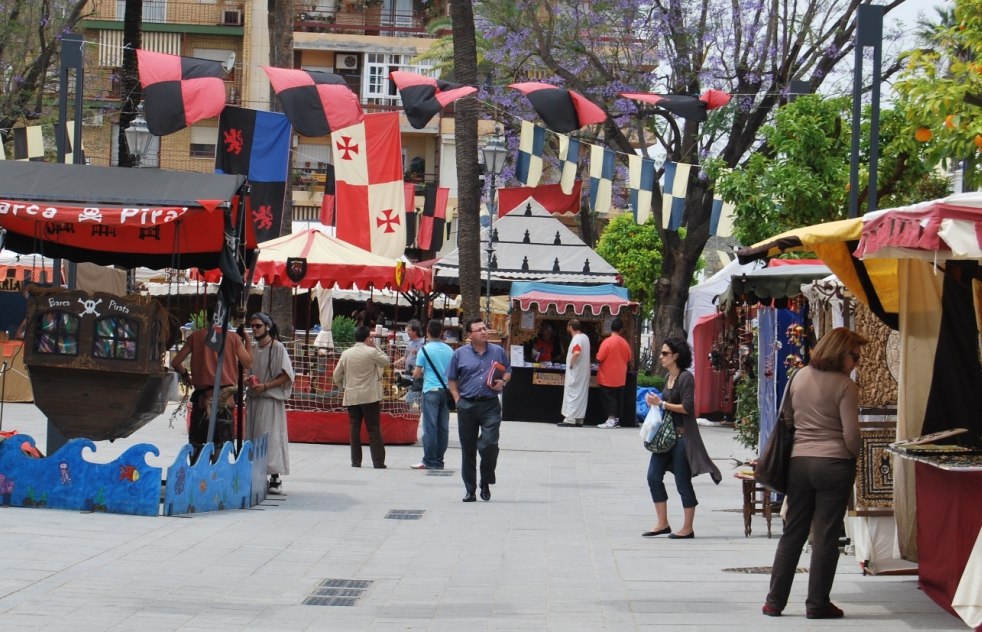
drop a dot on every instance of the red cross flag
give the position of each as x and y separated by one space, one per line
371 205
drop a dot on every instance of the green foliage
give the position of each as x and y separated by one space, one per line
199 320
635 250
942 86
747 410
803 176
343 330
656 381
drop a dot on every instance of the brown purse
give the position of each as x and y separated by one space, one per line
772 467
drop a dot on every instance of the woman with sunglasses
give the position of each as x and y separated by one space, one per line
824 409
270 386
688 457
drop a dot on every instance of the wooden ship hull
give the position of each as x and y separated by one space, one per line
95 361
98 405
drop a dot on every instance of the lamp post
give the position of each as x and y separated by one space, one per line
139 138
495 153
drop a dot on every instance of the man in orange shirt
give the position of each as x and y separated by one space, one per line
613 356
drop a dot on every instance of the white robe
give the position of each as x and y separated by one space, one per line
577 387
266 412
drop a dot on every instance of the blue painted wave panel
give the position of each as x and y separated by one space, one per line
65 480
204 486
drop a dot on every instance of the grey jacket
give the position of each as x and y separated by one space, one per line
684 392
358 372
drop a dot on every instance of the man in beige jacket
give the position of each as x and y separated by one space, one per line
357 372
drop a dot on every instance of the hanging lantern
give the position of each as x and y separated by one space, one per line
923 134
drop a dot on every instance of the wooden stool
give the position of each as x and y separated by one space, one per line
751 503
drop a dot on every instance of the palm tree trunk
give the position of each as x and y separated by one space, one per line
130 77
468 183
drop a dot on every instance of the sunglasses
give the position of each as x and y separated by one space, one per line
256 325
665 353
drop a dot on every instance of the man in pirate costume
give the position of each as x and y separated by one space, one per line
271 383
204 362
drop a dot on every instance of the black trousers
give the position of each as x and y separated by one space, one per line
611 397
371 414
478 422
818 494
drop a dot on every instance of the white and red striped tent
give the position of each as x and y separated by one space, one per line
949 228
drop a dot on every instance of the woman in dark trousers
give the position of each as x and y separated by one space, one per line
688 457
825 409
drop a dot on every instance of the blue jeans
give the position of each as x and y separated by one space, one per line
436 427
676 461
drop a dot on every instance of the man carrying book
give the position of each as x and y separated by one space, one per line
476 375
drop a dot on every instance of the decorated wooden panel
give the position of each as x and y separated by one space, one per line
874 481
207 486
66 480
876 375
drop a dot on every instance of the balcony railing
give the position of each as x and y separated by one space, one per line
169 11
105 85
358 19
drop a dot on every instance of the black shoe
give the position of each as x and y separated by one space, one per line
651 534
675 536
356 465
563 424
485 491
469 497
381 467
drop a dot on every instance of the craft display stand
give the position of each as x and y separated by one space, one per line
756 501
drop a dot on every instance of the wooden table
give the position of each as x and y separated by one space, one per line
751 502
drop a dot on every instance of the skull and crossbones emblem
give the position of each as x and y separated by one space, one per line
90 306
92 214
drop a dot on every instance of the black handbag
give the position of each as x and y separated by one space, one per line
772 467
451 404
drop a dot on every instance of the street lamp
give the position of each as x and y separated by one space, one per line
495 153
138 137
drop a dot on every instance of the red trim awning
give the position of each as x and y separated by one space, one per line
561 302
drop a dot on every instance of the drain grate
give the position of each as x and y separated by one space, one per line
405 514
440 473
338 592
758 570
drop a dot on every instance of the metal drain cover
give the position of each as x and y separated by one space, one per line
405 514
440 473
330 601
338 592
758 570
346 583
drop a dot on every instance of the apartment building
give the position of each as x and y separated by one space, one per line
361 40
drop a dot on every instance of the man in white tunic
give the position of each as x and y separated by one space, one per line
270 386
577 386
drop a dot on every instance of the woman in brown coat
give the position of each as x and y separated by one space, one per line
825 413
688 457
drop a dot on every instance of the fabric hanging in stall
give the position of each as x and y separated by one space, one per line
766 372
325 310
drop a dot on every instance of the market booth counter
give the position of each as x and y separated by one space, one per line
535 392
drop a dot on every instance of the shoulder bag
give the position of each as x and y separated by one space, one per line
451 404
772 467
664 438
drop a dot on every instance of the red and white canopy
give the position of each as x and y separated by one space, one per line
330 260
543 296
949 228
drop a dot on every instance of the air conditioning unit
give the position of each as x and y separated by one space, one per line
232 17
347 62
95 121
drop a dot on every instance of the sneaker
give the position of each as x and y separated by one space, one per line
275 487
419 466
610 423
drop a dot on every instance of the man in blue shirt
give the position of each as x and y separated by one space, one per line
478 408
431 365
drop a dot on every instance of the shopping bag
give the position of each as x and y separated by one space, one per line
663 440
651 421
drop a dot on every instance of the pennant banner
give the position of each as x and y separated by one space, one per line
642 183
550 196
257 145
601 178
328 204
423 97
29 143
569 158
562 111
410 214
721 221
179 91
528 167
673 194
370 189
433 219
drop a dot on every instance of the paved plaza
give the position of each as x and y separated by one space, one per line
557 548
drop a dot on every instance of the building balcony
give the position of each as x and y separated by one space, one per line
171 12
358 17
105 84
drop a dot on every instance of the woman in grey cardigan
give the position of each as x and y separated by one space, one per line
688 458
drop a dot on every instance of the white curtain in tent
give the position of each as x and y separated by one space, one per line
325 307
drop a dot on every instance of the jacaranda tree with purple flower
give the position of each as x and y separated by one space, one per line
751 49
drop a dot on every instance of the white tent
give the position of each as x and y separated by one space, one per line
702 297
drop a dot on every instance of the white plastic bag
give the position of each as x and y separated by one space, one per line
651 422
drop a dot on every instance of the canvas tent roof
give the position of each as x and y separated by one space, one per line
533 245
109 215
771 283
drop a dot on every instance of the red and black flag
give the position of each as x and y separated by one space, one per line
179 91
423 97
257 145
434 218
315 102
562 111
688 107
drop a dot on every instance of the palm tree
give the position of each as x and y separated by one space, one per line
130 77
441 52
